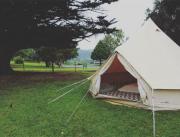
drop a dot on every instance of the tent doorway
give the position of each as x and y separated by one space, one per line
118 83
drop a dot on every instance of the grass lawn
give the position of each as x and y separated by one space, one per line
24 110
40 67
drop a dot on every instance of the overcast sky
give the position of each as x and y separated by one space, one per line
130 15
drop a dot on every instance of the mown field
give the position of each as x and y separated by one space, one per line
25 112
40 67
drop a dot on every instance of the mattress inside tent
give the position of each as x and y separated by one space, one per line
130 88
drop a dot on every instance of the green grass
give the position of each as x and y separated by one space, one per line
24 111
40 67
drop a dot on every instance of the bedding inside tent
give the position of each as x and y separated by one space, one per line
118 83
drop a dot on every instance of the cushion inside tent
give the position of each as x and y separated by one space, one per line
118 83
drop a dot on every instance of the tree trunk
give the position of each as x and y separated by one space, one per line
5 58
59 64
23 66
100 62
52 65
75 67
47 64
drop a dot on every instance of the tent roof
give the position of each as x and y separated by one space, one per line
154 56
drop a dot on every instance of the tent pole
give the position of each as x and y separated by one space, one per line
154 116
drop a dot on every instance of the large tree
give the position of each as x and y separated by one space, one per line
101 52
166 14
52 56
56 23
106 47
26 54
63 55
48 55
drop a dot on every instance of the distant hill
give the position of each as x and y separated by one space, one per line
84 54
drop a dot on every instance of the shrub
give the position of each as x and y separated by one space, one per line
18 60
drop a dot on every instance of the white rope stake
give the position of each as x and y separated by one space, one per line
70 85
154 116
75 110
68 91
75 83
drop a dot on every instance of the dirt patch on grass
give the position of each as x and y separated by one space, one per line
26 78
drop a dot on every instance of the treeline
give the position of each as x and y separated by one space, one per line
51 56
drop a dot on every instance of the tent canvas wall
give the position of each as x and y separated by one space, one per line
149 60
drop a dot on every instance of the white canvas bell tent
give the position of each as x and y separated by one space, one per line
145 69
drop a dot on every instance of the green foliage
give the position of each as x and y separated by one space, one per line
18 60
50 23
47 54
57 56
63 55
26 54
107 46
101 51
166 14
114 40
